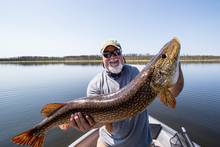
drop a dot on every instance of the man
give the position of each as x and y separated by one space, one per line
116 74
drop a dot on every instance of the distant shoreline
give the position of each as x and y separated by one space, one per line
97 59
96 62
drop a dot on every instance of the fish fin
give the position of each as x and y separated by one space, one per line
167 98
29 138
50 109
108 127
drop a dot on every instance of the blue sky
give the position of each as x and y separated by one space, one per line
78 27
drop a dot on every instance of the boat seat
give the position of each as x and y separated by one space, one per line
155 130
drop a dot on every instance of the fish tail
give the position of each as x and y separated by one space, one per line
29 137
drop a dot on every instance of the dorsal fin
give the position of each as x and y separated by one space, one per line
50 109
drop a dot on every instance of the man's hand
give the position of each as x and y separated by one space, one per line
80 122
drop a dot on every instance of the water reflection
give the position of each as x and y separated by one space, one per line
25 89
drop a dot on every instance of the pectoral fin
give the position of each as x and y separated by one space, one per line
109 127
167 98
50 109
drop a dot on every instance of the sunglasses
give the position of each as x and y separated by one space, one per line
108 54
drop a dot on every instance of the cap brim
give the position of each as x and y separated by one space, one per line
103 49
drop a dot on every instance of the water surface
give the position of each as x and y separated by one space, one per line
25 89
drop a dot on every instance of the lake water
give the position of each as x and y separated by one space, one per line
24 89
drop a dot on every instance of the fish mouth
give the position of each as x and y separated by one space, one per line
176 39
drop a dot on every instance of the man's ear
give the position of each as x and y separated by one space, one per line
124 60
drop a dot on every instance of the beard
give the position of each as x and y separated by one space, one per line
115 70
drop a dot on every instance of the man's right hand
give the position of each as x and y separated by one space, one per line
80 122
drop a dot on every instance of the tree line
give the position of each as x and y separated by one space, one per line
98 57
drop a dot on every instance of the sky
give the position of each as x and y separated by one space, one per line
79 27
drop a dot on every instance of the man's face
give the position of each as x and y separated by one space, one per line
112 59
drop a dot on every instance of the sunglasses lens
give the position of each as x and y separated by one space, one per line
117 52
109 54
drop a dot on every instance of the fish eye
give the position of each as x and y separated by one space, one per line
163 56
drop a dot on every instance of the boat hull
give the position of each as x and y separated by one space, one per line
161 134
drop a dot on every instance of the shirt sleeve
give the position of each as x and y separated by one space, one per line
134 72
93 88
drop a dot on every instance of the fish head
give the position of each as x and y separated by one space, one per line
165 64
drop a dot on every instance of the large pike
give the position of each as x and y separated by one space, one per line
154 80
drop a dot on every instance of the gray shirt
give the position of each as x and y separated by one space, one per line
126 133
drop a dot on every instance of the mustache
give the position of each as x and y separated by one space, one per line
116 69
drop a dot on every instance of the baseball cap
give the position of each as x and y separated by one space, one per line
114 43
